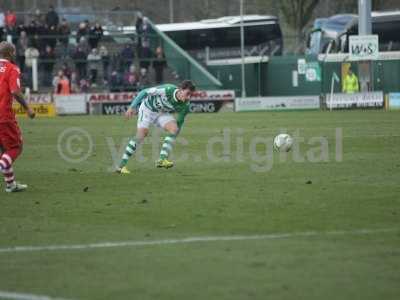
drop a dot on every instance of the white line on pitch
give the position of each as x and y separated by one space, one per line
194 240
18 296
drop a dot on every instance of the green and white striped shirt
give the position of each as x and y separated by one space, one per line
162 99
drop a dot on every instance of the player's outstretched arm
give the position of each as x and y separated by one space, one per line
21 100
134 107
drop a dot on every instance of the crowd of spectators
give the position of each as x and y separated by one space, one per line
69 66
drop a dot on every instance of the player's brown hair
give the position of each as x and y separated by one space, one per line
6 50
188 84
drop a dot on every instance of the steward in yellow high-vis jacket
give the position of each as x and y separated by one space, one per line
350 83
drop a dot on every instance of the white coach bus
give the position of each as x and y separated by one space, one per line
220 38
331 35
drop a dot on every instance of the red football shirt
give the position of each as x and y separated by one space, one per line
9 83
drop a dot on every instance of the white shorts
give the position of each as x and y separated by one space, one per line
146 117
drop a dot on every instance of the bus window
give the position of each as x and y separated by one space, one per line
200 39
180 37
227 37
256 35
389 38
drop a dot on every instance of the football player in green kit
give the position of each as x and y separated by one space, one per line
155 106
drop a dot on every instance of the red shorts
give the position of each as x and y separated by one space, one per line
10 136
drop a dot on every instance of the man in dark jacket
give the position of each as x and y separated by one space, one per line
47 61
52 17
80 63
127 56
95 35
159 64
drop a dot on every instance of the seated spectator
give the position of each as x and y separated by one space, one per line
95 35
94 61
159 63
48 59
144 80
131 79
11 18
61 84
80 62
127 56
115 82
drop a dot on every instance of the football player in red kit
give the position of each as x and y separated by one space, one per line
10 134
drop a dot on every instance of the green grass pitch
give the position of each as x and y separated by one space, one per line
243 191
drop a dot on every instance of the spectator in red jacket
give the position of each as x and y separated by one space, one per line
11 18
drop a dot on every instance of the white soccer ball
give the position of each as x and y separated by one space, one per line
283 142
